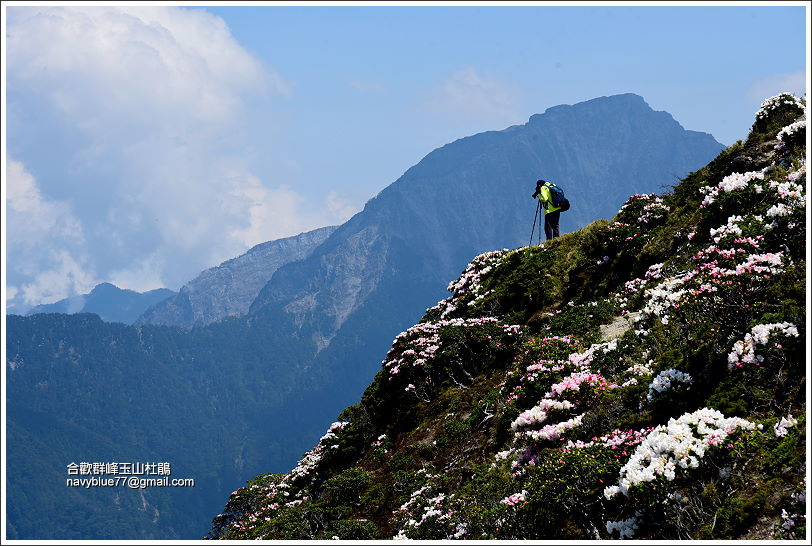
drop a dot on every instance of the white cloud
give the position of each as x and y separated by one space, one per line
141 276
272 213
792 82
46 261
64 276
278 212
11 293
467 96
341 209
134 61
148 104
36 220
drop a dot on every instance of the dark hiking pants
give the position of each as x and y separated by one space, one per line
551 224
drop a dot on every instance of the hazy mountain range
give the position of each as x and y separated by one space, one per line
110 302
229 289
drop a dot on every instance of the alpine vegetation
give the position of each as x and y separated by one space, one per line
638 378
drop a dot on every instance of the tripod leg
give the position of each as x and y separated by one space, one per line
535 217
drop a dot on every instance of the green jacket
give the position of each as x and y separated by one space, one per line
547 199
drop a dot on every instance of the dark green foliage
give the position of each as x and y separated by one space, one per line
346 486
522 284
352 529
583 320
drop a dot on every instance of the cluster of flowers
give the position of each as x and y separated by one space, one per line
572 384
666 296
427 507
634 286
780 428
768 262
799 173
313 457
792 195
582 362
538 414
788 192
653 210
276 495
679 444
716 268
732 230
617 439
639 213
744 351
645 207
515 499
624 529
520 381
794 522
527 424
418 345
622 232
665 380
654 272
551 432
786 133
730 183
469 282
773 103
271 496
638 369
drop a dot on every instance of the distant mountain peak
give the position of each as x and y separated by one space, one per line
227 290
108 287
605 103
111 303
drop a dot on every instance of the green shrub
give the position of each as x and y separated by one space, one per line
346 486
352 529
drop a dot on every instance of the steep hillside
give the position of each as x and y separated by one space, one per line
228 289
110 302
641 377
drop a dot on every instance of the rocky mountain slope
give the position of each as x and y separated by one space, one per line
110 302
643 377
228 289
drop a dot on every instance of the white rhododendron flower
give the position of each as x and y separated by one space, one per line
675 446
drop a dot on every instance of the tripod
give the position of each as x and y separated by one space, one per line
536 217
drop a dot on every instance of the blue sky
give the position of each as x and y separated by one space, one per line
146 144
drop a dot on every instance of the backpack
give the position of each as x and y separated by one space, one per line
557 196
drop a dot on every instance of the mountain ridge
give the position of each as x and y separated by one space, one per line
110 302
228 289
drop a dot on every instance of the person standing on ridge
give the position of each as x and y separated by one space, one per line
551 212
